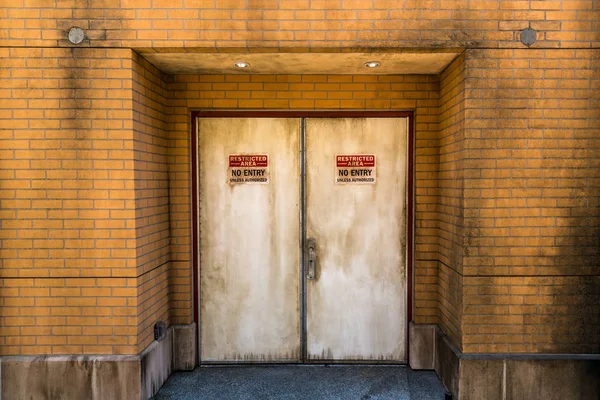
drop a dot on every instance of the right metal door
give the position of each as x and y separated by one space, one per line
356 176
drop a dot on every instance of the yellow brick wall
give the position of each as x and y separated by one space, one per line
94 160
151 142
450 193
84 202
471 234
218 24
310 92
520 201
531 261
68 213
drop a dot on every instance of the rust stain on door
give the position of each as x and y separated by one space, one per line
249 243
356 308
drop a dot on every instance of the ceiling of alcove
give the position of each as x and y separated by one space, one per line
392 63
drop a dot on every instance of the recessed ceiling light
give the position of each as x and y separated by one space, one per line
372 64
242 64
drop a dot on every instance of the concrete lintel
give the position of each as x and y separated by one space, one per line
346 63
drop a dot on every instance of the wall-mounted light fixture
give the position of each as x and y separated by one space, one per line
76 35
528 36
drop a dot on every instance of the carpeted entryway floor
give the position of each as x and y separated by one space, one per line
303 382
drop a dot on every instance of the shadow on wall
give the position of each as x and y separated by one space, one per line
570 303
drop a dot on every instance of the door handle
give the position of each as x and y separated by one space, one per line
311 258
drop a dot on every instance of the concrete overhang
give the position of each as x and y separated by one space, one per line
393 61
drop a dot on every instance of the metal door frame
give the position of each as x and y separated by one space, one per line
302 115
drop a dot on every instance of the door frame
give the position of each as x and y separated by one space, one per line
302 114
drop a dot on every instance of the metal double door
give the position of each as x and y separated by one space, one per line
302 239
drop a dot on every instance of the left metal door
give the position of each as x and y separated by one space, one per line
249 242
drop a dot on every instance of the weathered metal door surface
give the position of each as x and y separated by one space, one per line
356 303
249 180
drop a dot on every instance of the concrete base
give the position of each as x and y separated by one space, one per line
87 377
421 345
447 362
552 379
185 339
516 376
156 365
71 377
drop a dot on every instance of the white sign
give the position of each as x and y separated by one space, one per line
355 168
248 169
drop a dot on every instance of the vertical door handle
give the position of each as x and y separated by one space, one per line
311 258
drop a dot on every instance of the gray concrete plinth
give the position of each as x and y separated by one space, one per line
552 379
421 346
156 365
114 377
516 376
447 362
481 379
185 339
71 377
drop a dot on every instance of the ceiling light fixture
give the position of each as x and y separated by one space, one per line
241 64
372 64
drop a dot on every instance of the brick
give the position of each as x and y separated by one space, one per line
493 180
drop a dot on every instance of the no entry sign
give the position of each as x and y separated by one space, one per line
248 169
355 168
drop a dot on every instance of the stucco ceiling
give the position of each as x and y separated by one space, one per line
392 63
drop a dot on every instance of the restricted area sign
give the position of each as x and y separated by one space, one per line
355 168
248 169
